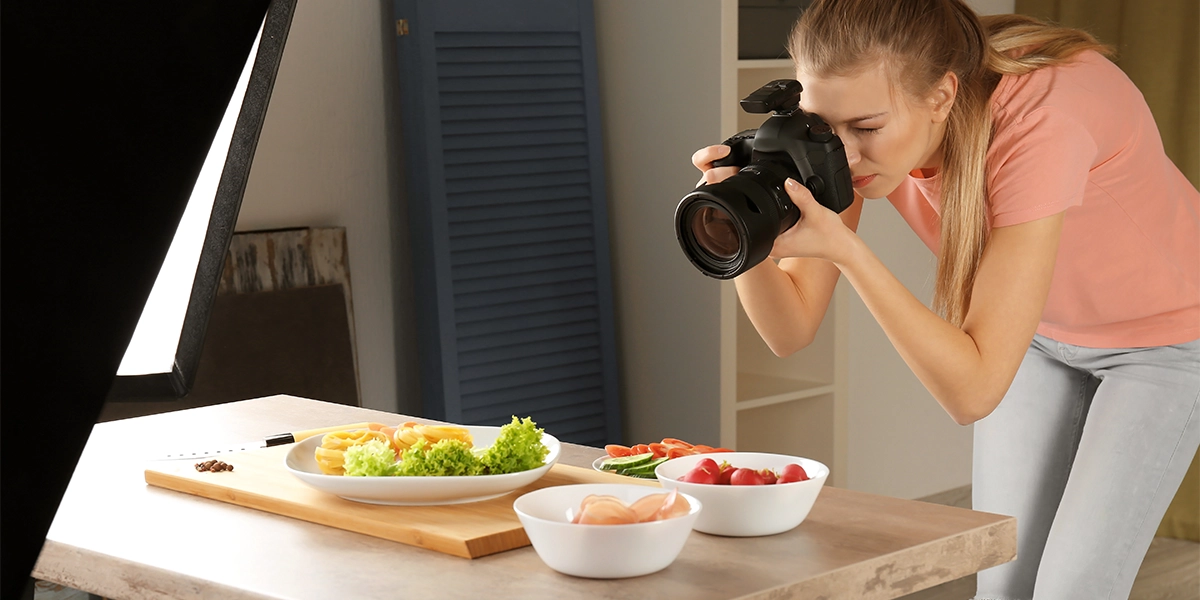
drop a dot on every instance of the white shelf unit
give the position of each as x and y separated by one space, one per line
791 405
757 391
692 365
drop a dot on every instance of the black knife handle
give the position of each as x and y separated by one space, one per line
280 439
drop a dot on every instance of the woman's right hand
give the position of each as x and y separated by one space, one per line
703 159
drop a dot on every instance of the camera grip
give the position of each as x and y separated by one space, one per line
741 147
728 161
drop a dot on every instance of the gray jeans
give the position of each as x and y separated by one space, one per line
1086 450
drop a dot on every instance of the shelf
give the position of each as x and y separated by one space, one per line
765 63
793 428
757 391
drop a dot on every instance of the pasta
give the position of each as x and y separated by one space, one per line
331 452
409 433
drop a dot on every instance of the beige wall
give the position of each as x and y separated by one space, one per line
668 337
901 442
323 160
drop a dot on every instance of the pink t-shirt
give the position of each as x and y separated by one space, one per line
1079 137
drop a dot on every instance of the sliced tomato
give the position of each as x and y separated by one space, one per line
676 452
640 448
659 450
617 450
675 442
702 449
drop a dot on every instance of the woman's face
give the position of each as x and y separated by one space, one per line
886 135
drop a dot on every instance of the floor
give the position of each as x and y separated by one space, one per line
1170 571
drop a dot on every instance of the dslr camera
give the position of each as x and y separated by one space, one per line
728 227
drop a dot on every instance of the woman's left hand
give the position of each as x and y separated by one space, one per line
820 233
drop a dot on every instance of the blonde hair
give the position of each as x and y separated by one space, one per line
919 42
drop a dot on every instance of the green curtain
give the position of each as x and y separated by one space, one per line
1158 47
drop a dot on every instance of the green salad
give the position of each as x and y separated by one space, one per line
518 448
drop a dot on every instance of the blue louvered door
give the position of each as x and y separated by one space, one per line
508 217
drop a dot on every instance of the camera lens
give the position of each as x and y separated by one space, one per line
728 227
715 232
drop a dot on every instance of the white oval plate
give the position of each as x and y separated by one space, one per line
301 461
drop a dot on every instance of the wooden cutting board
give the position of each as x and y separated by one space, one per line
471 530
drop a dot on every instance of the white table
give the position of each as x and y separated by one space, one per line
115 536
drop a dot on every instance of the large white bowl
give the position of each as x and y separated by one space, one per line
301 461
748 510
601 551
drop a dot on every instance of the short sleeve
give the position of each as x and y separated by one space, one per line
1038 166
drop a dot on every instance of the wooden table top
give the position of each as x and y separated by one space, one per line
116 536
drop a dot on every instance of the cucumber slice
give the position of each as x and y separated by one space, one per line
644 470
627 462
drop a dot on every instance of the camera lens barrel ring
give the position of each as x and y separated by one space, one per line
710 236
728 227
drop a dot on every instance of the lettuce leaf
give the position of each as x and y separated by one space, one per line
447 457
370 459
518 448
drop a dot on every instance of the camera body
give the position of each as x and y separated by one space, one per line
730 226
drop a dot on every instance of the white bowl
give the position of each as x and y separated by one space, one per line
301 461
601 551
748 510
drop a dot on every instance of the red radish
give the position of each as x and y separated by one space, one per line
744 476
707 471
792 473
700 474
726 473
769 476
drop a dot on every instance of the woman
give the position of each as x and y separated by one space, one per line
1067 298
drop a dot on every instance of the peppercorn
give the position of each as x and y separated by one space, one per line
213 466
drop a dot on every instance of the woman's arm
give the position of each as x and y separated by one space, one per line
786 302
967 370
